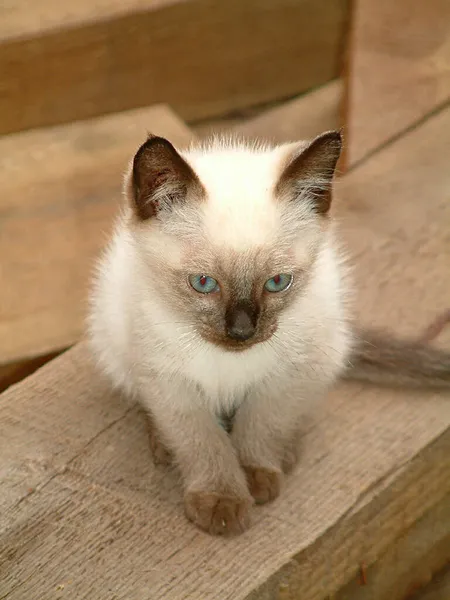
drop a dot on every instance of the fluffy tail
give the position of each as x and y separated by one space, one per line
381 359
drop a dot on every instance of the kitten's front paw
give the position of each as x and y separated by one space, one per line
264 484
218 514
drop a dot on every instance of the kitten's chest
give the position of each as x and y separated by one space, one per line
225 377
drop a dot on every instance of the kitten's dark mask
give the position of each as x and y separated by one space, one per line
246 317
239 311
229 299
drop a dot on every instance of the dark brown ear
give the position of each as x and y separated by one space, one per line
310 173
160 178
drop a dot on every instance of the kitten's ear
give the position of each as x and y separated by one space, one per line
309 173
160 178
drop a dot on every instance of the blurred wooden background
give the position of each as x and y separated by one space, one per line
81 85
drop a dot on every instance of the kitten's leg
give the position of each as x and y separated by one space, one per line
216 496
161 454
265 435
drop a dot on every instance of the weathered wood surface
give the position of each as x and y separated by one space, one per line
203 57
11 373
60 189
85 515
439 589
301 118
398 69
409 563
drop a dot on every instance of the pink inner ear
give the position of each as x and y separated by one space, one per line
161 177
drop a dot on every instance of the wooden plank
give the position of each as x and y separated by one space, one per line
408 563
13 372
301 118
83 508
60 190
398 70
203 57
439 589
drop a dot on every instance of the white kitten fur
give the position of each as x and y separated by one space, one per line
135 335
240 215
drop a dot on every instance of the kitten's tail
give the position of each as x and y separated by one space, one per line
382 359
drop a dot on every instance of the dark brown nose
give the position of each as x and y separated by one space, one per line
241 322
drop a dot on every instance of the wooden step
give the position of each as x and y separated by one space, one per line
398 69
365 514
60 62
438 589
60 189
300 119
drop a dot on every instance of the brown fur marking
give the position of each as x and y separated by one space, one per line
264 484
158 164
218 514
241 281
384 360
316 161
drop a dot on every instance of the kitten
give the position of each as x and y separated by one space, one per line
223 294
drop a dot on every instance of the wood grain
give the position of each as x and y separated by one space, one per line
11 373
398 69
84 514
439 589
60 189
203 57
408 563
301 118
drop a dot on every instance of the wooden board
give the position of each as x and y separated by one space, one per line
203 57
438 589
15 371
301 118
408 563
398 69
83 514
60 189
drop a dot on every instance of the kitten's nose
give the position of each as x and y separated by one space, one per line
241 322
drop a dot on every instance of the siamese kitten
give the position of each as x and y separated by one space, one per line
223 293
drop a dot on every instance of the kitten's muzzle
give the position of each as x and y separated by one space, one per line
241 321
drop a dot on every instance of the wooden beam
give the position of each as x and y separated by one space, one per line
438 589
13 372
60 189
203 57
301 118
408 563
83 509
398 70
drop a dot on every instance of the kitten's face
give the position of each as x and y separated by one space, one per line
232 235
234 299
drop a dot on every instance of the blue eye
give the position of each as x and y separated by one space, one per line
278 283
203 284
